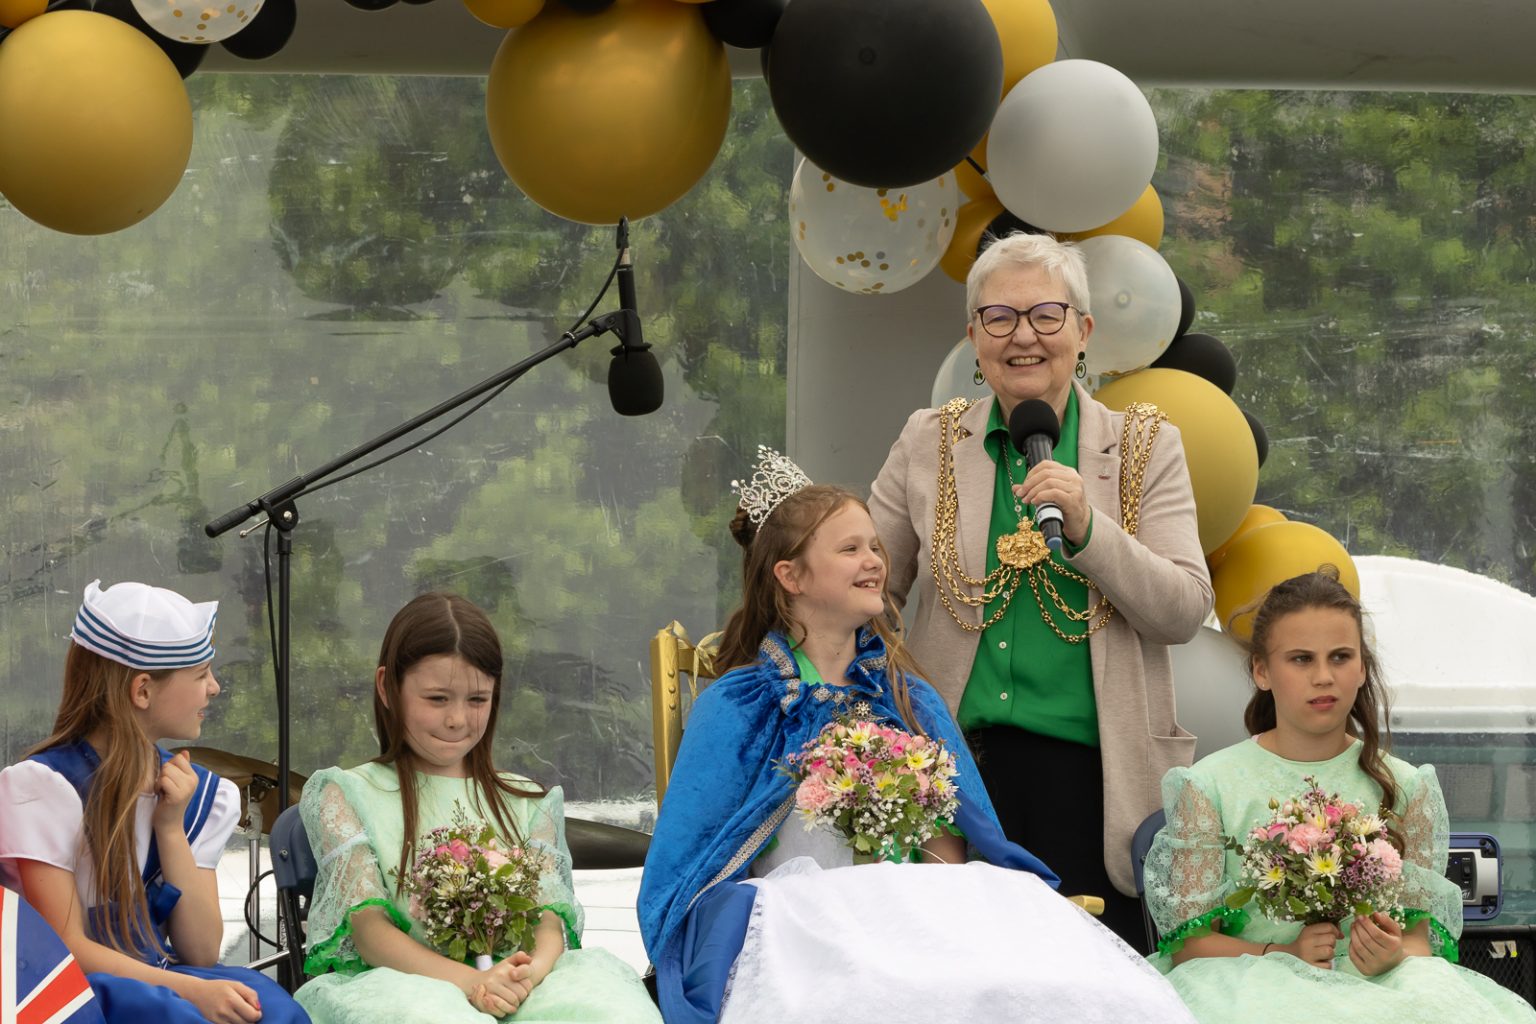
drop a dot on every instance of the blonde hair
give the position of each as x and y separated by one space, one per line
98 699
1020 250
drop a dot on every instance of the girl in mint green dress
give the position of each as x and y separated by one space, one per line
1314 712
436 696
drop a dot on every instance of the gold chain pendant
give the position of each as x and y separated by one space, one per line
1023 549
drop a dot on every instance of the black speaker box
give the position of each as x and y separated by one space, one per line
1505 953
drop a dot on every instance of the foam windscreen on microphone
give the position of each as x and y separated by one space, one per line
1030 418
634 381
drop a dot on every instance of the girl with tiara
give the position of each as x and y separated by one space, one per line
749 917
436 693
1315 711
115 841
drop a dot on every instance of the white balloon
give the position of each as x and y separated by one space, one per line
1072 147
871 240
197 21
1134 297
957 376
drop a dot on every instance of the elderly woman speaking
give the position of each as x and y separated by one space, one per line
1056 663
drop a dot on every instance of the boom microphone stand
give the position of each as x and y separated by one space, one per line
278 504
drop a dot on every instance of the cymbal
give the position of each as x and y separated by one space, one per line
596 844
252 777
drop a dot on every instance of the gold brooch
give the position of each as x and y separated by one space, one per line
1024 549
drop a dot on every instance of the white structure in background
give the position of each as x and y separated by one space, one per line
1458 652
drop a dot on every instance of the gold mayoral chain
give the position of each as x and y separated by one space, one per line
1022 555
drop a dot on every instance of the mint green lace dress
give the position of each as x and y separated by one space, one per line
355 826
1189 875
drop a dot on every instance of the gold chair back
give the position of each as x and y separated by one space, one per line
677 665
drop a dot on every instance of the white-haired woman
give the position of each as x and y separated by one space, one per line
1055 664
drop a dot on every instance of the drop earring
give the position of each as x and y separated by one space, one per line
978 377
1082 365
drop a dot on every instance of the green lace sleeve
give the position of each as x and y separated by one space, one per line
1441 942
328 954
1224 919
570 920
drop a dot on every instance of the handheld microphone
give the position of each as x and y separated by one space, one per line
634 377
1034 430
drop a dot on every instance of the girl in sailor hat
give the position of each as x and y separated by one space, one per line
114 840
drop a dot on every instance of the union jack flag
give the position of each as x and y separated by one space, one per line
40 983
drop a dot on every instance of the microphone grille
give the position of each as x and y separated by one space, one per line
1034 416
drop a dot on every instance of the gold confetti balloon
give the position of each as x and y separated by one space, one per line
197 21
873 241
98 127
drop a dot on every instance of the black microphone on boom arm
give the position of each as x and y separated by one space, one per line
634 377
1034 430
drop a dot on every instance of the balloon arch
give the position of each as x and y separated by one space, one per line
928 129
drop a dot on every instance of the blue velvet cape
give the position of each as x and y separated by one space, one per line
725 800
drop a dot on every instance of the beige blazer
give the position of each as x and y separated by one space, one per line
1157 581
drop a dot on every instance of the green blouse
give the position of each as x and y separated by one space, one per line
1024 674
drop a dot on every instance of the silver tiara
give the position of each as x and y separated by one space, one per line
775 479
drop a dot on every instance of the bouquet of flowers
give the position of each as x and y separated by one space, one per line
886 791
1318 859
474 896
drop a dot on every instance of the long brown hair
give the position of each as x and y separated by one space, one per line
434 624
98 699
765 605
1322 589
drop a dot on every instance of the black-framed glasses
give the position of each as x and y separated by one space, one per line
1044 317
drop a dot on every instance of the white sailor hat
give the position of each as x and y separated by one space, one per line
144 627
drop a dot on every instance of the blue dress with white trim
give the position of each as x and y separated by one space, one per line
42 802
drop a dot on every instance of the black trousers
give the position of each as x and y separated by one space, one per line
1049 795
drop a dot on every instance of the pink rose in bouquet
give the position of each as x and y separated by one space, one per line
1318 859
884 790
472 895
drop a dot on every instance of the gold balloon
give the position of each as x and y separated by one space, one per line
1143 222
97 125
14 12
505 13
1219 447
971 221
1258 515
1273 554
1027 30
598 116
971 181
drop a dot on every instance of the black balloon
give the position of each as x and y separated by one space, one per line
186 56
1186 308
1203 356
885 93
1003 225
1260 436
745 23
267 33
587 6
371 5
